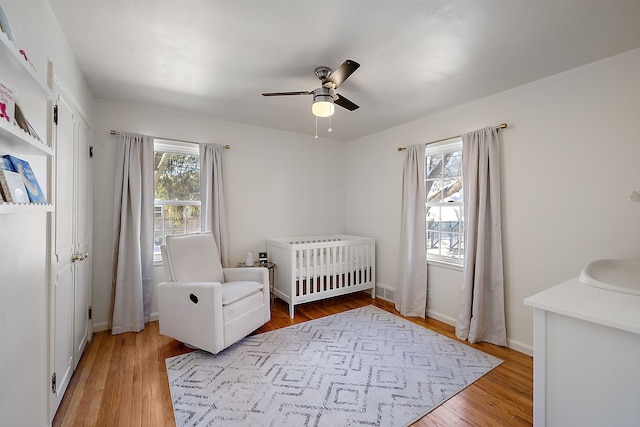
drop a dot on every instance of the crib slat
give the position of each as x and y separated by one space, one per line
347 265
310 271
370 252
334 276
356 267
307 275
339 265
323 273
301 278
361 264
314 266
317 272
365 265
321 270
305 268
347 278
344 264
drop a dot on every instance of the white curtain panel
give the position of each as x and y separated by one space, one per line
411 297
481 314
212 200
133 234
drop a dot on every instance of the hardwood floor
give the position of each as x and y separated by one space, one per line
122 381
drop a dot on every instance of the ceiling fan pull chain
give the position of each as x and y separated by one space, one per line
316 128
330 129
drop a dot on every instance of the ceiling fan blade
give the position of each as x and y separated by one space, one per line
345 103
343 72
308 92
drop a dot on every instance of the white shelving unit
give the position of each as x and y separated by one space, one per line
20 141
20 76
24 78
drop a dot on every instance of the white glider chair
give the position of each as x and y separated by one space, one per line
204 305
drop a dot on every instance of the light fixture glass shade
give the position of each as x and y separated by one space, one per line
322 108
322 102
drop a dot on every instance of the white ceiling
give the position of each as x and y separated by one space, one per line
417 57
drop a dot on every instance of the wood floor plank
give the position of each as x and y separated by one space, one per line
81 380
122 380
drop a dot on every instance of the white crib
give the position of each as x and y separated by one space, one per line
313 268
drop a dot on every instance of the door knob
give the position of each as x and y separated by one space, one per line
79 256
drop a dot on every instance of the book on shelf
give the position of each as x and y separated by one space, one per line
6 165
23 169
23 123
13 189
7 103
20 119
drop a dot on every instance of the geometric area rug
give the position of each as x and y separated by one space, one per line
363 367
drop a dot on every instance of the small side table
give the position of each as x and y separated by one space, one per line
271 267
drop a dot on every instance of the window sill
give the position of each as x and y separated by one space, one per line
445 264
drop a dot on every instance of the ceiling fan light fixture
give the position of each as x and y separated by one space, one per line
322 102
323 108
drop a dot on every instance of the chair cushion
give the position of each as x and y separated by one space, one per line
193 258
235 291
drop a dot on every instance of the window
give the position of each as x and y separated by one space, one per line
444 204
176 176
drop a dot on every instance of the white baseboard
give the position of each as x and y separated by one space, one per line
441 317
521 347
104 326
512 344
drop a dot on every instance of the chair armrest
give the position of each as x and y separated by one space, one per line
252 274
191 312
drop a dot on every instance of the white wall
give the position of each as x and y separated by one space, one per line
278 184
570 161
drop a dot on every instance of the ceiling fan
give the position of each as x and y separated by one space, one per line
325 96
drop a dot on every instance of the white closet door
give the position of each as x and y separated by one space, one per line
63 271
83 232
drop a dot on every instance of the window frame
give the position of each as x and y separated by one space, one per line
439 148
177 147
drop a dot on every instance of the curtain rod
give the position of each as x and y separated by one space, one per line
502 126
115 132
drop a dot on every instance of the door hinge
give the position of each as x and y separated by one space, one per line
54 387
90 312
55 114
